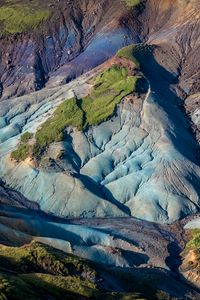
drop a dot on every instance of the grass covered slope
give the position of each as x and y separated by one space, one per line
20 16
129 52
37 271
190 266
110 87
40 267
132 3
194 243
24 148
137 53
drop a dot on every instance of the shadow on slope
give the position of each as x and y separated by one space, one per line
102 192
42 272
161 81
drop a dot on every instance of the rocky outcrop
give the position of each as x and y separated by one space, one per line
190 267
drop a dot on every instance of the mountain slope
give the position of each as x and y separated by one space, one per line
41 272
142 158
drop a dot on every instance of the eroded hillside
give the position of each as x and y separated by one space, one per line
121 139
99 149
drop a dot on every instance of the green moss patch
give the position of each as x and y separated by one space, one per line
44 259
138 53
130 53
131 3
25 137
18 17
21 153
109 89
24 149
194 243
68 113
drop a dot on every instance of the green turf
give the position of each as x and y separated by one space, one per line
33 258
42 267
109 89
18 17
68 113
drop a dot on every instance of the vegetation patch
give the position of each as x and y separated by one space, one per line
44 259
191 254
25 137
24 149
109 89
41 270
194 243
17 17
129 52
131 3
38 271
21 153
138 53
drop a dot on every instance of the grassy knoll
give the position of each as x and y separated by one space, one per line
109 89
38 270
26 137
21 153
